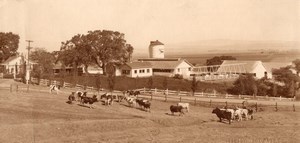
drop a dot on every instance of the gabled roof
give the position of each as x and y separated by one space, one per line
167 64
9 60
156 43
269 66
137 65
13 58
246 66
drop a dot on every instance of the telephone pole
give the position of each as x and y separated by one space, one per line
28 64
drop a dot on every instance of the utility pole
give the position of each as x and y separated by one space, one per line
28 65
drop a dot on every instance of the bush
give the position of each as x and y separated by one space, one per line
9 76
178 76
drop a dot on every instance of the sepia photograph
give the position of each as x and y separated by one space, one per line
150 71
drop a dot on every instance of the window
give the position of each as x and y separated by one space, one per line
148 70
142 71
125 72
178 70
189 69
135 71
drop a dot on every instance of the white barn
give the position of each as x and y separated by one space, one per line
170 67
135 69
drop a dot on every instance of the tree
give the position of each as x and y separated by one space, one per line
245 84
9 43
45 62
218 60
289 79
108 46
111 82
297 65
96 47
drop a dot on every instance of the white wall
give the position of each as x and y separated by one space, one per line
139 74
184 70
259 70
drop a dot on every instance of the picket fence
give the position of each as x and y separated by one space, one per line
155 91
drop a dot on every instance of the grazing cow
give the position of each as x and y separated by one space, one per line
238 114
134 93
71 98
80 94
184 106
231 111
222 114
144 103
54 88
246 113
131 101
177 108
89 100
108 99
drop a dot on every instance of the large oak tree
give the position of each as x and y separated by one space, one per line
9 43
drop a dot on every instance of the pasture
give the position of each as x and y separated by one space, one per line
43 117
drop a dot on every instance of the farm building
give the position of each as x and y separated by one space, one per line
257 68
13 64
253 67
92 69
170 67
135 69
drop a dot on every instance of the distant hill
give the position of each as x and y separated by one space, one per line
229 46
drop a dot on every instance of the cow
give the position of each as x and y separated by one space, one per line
131 101
222 114
80 94
54 88
247 113
89 100
71 98
184 106
144 103
108 99
134 93
174 108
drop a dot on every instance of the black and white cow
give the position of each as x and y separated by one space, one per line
174 109
223 114
144 103
89 100
54 88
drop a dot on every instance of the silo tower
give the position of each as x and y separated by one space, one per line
156 50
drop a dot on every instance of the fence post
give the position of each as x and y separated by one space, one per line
10 88
180 98
256 106
195 101
276 108
167 92
210 102
178 91
151 96
166 98
144 90
226 103
28 88
17 88
279 98
154 91
294 108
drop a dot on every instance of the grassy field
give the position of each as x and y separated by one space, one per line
37 117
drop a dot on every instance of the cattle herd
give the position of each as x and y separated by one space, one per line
131 97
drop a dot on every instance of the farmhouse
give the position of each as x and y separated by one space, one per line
13 64
135 69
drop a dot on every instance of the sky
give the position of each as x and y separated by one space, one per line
48 23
